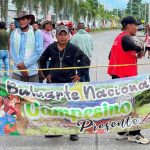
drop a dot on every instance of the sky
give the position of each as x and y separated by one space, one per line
110 4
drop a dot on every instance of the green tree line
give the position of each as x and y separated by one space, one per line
90 9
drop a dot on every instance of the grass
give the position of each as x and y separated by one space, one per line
144 110
102 29
44 130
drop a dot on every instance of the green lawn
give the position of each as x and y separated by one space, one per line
144 110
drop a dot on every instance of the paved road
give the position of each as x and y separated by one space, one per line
102 45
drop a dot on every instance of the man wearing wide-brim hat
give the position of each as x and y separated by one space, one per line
26 47
23 14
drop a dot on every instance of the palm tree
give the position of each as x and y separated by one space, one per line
4 10
58 6
85 9
1 7
66 7
35 5
45 5
30 6
20 4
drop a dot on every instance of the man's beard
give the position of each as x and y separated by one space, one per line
24 27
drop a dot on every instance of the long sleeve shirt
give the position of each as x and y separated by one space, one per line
47 39
128 44
83 40
31 63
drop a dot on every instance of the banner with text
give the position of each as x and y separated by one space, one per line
74 108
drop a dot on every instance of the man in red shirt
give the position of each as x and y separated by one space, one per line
126 51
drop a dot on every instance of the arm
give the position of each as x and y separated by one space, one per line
81 60
38 50
145 38
43 59
9 45
13 53
91 43
129 44
73 40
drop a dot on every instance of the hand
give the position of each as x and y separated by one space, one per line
75 78
48 78
21 66
140 54
41 75
25 74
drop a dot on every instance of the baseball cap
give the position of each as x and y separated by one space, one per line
129 20
62 28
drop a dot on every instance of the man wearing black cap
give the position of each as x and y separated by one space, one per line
63 54
26 46
126 51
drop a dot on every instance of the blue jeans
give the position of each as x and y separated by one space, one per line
4 58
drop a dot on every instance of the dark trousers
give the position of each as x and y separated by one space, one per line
86 77
136 132
34 78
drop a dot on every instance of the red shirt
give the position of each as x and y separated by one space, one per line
119 57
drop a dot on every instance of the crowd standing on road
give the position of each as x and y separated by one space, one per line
35 45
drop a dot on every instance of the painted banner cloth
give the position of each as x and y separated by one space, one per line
74 108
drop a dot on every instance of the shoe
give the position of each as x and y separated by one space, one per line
74 137
52 136
138 139
122 137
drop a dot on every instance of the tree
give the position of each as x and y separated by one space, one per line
45 5
133 8
35 5
58 6
20 4
4 10
84 9
94 4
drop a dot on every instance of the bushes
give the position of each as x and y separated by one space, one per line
143 98
102 29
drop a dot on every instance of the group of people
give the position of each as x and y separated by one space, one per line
32 48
